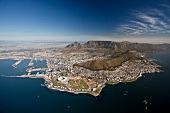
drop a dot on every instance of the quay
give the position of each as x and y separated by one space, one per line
31 63
27 76
17 63
37 69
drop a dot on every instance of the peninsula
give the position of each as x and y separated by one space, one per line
87 68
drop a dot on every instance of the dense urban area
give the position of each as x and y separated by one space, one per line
66 70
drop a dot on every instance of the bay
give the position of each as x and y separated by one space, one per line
24 95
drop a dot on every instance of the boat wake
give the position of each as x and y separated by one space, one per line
42 85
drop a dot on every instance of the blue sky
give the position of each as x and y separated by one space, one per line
82 20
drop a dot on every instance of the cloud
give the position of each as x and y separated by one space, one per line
147 18
165 4
154 12
146 21
139 24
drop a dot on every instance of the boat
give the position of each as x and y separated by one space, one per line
42 85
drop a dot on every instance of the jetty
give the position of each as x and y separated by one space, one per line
17 63
37 69
27 76
31 63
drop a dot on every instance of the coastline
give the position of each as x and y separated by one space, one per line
95 90
93 93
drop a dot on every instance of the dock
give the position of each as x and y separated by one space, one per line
27 76
31 63
17 63
37 69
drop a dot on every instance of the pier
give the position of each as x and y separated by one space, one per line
17 63
37 69
27 76
31 63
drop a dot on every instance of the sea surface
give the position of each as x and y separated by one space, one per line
25 95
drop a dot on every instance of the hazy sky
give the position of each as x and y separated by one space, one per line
82 20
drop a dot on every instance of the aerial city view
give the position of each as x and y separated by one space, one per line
90 56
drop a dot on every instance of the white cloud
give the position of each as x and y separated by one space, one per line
165 4
147 18
137 32
154 12
146 21
129 28
143 25
162 23
153 27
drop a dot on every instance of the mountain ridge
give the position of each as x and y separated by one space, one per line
119 46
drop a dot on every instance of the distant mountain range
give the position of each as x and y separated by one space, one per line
123 50
118 46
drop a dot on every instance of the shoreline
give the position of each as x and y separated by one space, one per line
93 93
53 88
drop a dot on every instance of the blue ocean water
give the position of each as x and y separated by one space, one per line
24 95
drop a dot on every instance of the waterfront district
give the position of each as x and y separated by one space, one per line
73 70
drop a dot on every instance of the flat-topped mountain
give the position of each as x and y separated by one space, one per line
119 46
